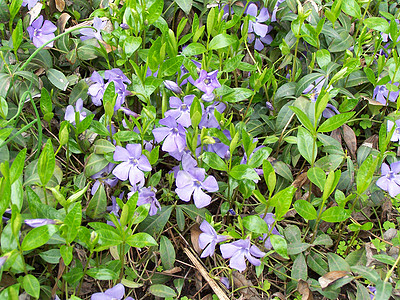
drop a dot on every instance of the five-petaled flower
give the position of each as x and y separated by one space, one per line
258 30
41 32
134 163
70 112
208 239
148 195
206 83
180 111
390 180
115 293
383 95
88 33
239 250
174 135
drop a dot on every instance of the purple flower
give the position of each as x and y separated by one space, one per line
206 83
257 30
381 94
208 239
180 111
134 163
390 180
275 10
174 135
3 260
115 293
114 208
314 89
148 195
88 33
41 32
30 3
225 282
396 134
102 178
116 75
208 119
172 86
238 250
269 218
124 26
269 105
96 90
70 112
39 222
372 289
193 181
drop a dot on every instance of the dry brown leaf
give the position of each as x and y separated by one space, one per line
35 12
194 237
62 21
60 5
331 277
336 135
304 289
239 280
279 295
300 180
372 142
350 139
172 271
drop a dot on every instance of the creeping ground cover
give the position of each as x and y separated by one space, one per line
189 149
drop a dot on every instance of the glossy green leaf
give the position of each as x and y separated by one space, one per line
46 163
279 244
163 291
58 79
305 209
214 161
38 236
222 40
255 224
31 285
167 253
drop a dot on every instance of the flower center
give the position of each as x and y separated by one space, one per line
207 81
391 175
175 130
197 183
133 161
184 107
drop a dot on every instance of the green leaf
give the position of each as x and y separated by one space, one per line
17 35
305 209
194 49
365 174
303 118
185 5
18 166
77 195
51 256
220 41
95 163
103 146
244 172
305 81
84 124
337 263
299 268
351 8
171 66
307 145
45 102
238 94
37 237
102 273
377 23
131 44
154 11
335 214
323 57
282 201
335 122
66 253
58 79
46 163
163 291
255 224
279 244
79 91
323 239
31 285
259 156
140 240
154 224
73 221
214 161
317 177
167 253
383 290
296 248
127 136
5 80
269 175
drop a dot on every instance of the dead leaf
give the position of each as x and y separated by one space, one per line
35 12
62 21
239 280
370 251
194 237
60 5
336 135
350 139
279 295
172 271
372 142
304 289
331 277
300 180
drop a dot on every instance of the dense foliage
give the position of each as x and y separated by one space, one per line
189 149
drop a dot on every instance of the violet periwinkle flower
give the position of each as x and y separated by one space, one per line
116 75
372 289
208 119
269 105
239 250
41 31
102 177
275 10
193 181
206 83
258 31
88 33
174 135
396 134
148 195
124 26
134 163
172 86
70 112
180 111
225 281
269 218
217 147
29 3
390 180
381 94
115 293
96 90
208 239
39 222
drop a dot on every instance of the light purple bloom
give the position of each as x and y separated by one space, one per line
134 163
208 119
381 94
115 293
30 3
70 112
269 218
225 282
96 90
239 250
372 289
172 86
88 33
39 222
257 30
116 75
180 111
174 135
396 134
275 10
114 208
102 177
124 26
390 180
148 195
206 83
193 181
208 239
41 32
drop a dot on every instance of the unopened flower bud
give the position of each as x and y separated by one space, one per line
172 86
